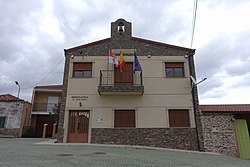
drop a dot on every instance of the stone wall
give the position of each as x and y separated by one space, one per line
175 138
219 134
60 132
124 88
13 113
13 132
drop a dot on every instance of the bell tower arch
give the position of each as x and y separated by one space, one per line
121 29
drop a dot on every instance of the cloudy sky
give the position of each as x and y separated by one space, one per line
34 34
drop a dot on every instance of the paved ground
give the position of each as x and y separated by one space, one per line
26 153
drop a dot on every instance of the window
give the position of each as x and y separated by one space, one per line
174 69
124 119
2 122
82 70
52 103
179 118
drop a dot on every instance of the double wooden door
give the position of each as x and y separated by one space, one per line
78 126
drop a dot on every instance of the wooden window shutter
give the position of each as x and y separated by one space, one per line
124 118
174 64
82 70
2 122
82 66
179 118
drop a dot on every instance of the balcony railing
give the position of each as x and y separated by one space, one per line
45 107
120 83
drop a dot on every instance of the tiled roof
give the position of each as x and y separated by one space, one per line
228 108
49 87
132 38
161 43
88 44
9 98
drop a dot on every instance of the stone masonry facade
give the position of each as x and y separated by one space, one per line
219 133
176 138
121 89
143 47
13 113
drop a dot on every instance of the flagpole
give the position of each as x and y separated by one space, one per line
108 67
108 60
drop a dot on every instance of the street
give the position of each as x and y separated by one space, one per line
20 152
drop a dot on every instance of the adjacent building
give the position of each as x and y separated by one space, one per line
154 106
14 115
45 109
226 129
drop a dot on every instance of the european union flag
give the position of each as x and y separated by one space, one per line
137 66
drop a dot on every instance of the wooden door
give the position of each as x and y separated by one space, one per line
78 126
243 140
124 77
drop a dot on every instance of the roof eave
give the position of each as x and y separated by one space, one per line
86 45
165 44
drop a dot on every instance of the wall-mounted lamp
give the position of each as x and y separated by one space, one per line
149 56
195 83
189 54
72 56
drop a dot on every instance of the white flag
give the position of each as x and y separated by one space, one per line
112 58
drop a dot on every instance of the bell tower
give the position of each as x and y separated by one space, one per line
121 29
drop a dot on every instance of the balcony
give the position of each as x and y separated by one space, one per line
45 107
114 82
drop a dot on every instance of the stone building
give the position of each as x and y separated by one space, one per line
14 115
155 106
226 129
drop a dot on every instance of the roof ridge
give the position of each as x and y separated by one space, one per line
9 97
229 108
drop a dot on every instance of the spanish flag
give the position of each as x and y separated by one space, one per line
121 61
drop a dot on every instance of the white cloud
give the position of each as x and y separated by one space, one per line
220 19
34 34
232 96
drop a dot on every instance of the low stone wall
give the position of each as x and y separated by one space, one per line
176 138
9 132
219 134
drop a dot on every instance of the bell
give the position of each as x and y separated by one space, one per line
120 28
